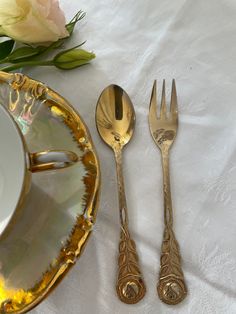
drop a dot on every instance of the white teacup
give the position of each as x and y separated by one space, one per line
17 164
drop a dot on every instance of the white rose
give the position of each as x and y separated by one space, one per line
32 21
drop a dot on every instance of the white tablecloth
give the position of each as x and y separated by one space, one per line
136 42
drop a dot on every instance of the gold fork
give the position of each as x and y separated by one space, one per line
163 126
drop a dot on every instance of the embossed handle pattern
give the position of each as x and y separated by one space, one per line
171 287
130 285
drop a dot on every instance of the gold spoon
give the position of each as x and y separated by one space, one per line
115 119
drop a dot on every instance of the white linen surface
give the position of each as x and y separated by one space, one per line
136 42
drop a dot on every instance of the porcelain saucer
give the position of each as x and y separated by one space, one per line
48 233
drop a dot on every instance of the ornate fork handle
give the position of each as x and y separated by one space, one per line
171 287
130 285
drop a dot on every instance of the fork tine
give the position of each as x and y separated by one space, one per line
163 101
173 102
153 102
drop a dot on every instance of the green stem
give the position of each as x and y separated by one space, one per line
26 63
3 60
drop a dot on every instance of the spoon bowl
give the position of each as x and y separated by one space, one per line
115 116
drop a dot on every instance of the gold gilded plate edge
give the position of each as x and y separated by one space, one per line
83 226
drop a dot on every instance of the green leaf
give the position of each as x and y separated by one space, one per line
6 48
24 53
70 26
55 45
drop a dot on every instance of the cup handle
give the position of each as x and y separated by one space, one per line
51 160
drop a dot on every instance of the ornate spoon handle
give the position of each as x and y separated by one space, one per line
171 287
130 286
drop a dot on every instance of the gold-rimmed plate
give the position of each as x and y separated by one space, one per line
49 231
